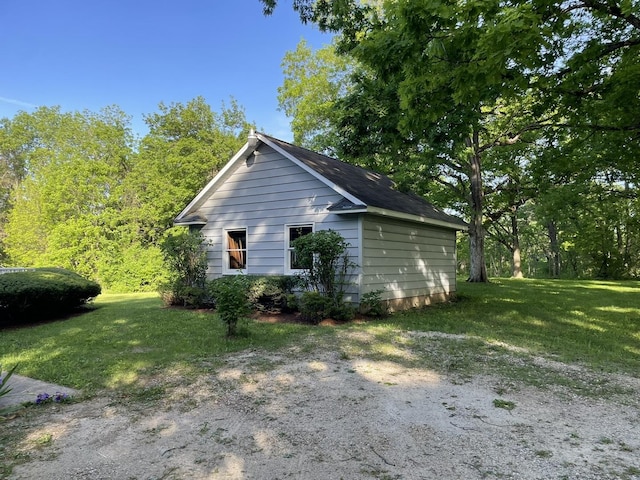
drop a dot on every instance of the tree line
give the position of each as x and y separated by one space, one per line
78 190
521 116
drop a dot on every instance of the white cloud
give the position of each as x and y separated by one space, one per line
19 103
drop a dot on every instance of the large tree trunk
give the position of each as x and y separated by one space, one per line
516 264
477 266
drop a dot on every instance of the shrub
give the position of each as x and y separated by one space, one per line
186 260
325 258
342 312
292 303
373 305
43 293
231 299
314 307
270 293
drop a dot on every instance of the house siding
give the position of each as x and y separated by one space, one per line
415 264
263 194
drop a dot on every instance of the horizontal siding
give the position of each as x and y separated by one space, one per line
405 265
417 234
263 195
407 259
402 250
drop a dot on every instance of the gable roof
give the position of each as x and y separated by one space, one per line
362 190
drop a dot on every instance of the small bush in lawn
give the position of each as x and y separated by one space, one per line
43 293
231 299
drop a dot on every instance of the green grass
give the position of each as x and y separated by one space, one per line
595 323
129 338
124 338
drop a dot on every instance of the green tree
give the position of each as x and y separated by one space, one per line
74 166
313 82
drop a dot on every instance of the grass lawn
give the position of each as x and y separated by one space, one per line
130 337
596 323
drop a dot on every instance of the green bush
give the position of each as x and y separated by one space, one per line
186 260
314 307
231 299
271 293
43 293
325 258
373 305
342 312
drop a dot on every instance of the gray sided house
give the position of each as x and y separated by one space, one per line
271 192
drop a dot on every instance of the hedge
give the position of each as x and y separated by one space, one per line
42 293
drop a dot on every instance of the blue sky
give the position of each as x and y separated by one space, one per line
88 54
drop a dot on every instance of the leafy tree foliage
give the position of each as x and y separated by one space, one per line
313 82
74 165
80 192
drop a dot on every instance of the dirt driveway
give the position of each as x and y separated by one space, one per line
323 414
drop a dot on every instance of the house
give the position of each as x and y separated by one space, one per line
271 192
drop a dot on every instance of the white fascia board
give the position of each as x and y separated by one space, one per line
414 218
178 223
199 199
310 170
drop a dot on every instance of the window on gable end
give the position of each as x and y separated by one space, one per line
293 232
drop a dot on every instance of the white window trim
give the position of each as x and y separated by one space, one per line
287 257
226 269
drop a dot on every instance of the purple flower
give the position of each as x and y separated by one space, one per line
42 397
59 397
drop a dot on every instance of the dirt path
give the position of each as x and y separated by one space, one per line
324 416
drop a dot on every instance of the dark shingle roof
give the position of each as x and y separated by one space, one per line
374 189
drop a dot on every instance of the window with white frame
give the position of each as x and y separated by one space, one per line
293 232
235 250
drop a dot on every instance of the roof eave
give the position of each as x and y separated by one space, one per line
179 223
383 212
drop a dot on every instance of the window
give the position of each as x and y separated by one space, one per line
236 250
293 232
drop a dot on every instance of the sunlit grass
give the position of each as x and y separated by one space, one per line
591 322
123 338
